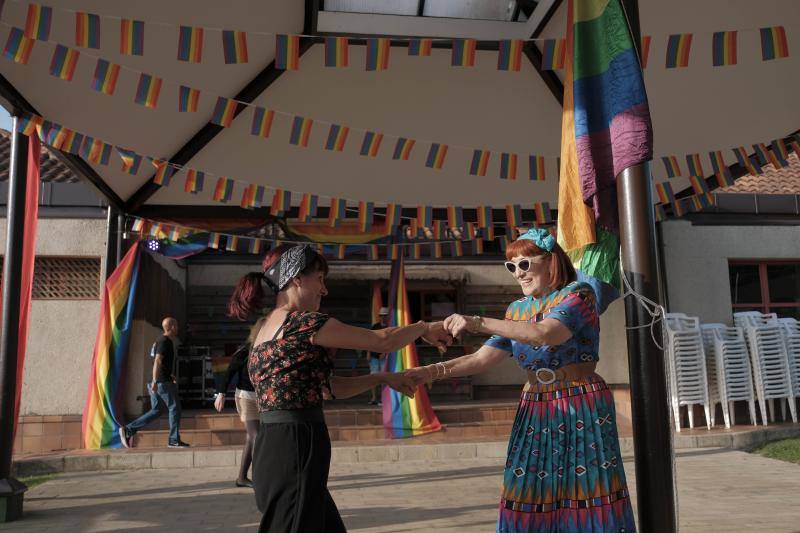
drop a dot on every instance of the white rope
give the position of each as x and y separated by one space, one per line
656 311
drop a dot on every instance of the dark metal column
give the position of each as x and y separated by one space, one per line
120 238
11 490
112 256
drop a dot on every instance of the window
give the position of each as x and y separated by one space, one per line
766 286
65 278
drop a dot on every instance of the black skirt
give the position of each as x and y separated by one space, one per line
291 461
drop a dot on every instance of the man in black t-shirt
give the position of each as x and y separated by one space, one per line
163 389
376 359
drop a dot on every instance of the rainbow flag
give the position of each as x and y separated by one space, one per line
188 99
194 181
87 30
699 185
420 47
131 37
510 55
436 156
336 52
175 234
463 53
393 212
436 252
412 230
130 160
667 196
416 251
542 212
287 52
717 161
254 246
371 143
456 249
281 202
262 122
64 62
486 221
724 178
234 46
773 43
308 207
694 165
402 150
224 112
605 129
477 246
760 152
28 124
96 151
336 213
366 215
223 191
346 232
678 48
301 131
105 77
102 413
671 165
781 152
553 54
536 165
455 216
378 53
214 240
231 243
147 90
164 172
659 212
340 251
480 160
424 216
138 225
645 49
38 21
513 216
337 137
253 196
403 416
373 253
508 166
18 47
723 48
190 44
744 160
73 142
439 230
51 133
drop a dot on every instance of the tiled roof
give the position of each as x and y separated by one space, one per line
51 169
783 181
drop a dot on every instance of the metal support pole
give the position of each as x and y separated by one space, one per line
120 238
12 491
652 442
112 257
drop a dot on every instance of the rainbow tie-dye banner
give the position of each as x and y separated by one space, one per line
102 412
403 416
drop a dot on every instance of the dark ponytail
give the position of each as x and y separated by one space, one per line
247 297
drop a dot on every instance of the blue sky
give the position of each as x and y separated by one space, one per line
5 119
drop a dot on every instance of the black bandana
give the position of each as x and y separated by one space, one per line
291 263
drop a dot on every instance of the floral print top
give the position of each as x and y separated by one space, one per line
291 372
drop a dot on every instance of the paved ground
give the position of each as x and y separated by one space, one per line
720 490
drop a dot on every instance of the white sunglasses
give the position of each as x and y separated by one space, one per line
524 265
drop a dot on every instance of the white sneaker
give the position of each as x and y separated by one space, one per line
123 437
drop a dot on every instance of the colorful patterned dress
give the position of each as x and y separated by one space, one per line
564 469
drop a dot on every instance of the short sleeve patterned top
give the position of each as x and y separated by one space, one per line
291 372
574 306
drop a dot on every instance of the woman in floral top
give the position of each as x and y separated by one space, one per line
291 369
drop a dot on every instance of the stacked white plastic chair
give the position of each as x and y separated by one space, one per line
688 378
791 328
768 355
729 374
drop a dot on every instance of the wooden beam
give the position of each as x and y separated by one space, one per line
534 55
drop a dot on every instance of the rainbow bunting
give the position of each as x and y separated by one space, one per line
190 44
102 413
420 47
37 24
194 181
456 249
781 152
765 155
378 54
760 152
287 52
214 240
234 47
336 52
308 207
366 215
723 48
372 253
744 160
262 122
536 165
678 48
436 156
416 251
402 150
659 212
156 230
773 43
188 99
96 151
554 54
105 77
424 216
371 143
508 166
28 124
231 243
455 216
175 234
131 37
281 203
463 53
513 216
394 252
510 55
337 137
671 165
694 165
645 49
542 212
223 191
18 47
224 112
50 133
340 251
393 212
699 185
717 161
436 250
147 90
254 246
72 143
336 212
480 160
87 30
131 161
164 172
439 230
253 196
724 178
412 230
404 416
477 246
138 225
301 131
666 195
486 221
796 145
64 62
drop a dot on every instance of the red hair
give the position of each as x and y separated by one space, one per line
561 270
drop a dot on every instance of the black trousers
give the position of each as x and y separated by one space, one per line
291 462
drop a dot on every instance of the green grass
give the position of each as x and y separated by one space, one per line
783 450
32 481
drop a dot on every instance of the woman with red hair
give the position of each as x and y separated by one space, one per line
563 472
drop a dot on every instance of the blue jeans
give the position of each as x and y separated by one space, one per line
166 396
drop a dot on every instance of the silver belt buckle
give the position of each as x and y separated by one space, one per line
547 381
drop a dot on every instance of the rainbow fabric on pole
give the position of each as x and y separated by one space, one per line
102 411
403 416
606 128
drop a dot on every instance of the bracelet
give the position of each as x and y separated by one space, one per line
479 320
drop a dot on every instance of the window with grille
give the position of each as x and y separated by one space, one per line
65 278
766 286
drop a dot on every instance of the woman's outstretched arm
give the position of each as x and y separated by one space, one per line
335 334
347 387
466 365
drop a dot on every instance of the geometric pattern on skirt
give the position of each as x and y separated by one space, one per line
564 470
